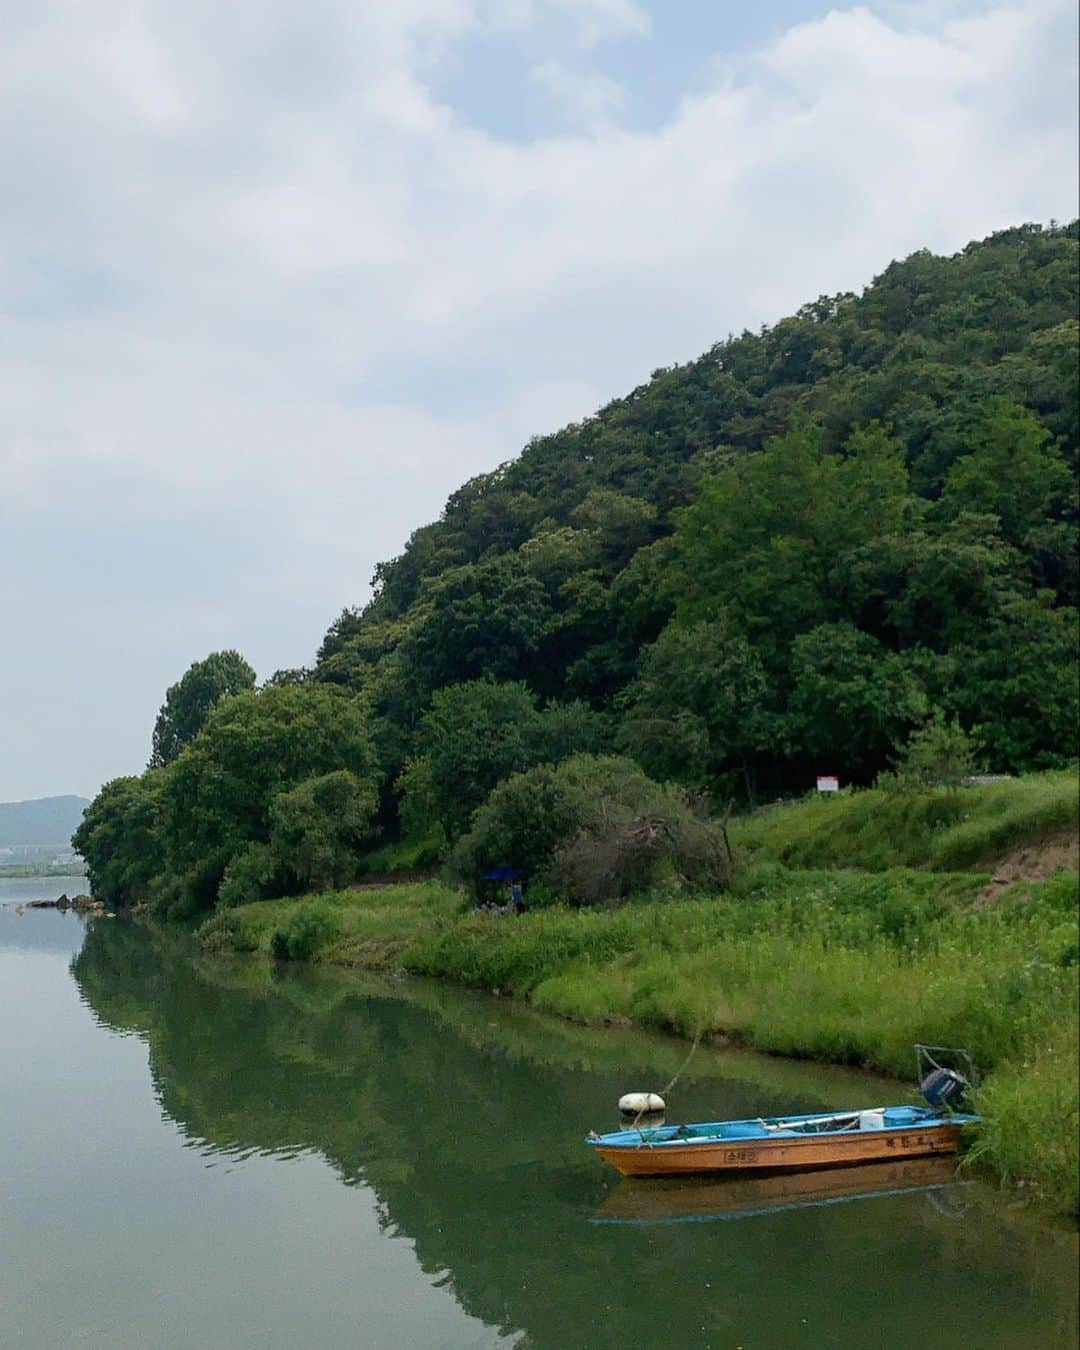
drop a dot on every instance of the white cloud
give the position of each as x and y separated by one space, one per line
229 230
580 99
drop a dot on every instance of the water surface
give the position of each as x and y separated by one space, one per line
211 1153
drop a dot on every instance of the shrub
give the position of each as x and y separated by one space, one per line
938 754
592 830
668 846
305 933
248 876
227 931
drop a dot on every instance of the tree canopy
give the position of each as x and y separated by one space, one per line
188 702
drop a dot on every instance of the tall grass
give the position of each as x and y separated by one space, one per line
1032 1122
365 927
937 829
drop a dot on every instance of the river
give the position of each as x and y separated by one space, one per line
216 1153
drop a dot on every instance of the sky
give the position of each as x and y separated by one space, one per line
276 278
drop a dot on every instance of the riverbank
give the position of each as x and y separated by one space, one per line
843 967
29 871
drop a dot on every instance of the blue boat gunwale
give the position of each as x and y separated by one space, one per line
709 1133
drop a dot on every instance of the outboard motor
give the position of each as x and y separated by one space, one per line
943 1087
944 1074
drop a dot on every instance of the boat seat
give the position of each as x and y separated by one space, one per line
748 1129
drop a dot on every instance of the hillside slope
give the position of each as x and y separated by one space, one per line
985 829
560 568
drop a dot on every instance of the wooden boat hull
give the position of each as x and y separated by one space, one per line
779 1154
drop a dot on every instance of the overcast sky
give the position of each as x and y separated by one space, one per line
276 277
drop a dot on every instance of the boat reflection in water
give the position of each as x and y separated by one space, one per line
691 1200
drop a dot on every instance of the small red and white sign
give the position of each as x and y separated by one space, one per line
827 783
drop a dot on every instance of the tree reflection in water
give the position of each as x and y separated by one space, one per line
465 1117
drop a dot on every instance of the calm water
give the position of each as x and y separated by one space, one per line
208 1154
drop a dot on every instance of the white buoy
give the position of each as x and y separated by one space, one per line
634 1103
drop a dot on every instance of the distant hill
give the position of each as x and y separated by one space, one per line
44 822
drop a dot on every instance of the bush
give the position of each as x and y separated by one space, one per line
592 830
666 848
305 933
938 754
227 931
248 876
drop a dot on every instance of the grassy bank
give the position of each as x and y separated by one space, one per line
841 966
936 829
24 871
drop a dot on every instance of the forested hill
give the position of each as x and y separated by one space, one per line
909 536
852 532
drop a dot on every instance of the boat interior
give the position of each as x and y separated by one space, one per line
876 1118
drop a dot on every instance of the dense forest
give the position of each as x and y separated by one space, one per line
793 555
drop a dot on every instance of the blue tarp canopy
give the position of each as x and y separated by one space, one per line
500 874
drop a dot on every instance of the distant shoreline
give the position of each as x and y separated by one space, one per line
24 871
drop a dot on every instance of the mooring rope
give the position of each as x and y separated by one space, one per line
678 1074
644 1110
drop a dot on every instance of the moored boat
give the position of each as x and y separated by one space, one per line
779 1142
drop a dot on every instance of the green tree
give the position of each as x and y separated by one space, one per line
940 753
318 828
1018 689
473 735
936 584
1012 472
476 734
566 729
218 793
852 700
769 539
700 706
484 621
119 837
188 702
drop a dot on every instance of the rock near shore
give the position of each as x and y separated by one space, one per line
85 904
